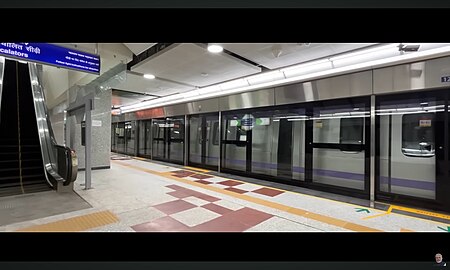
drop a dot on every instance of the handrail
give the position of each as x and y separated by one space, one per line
60 162
2 70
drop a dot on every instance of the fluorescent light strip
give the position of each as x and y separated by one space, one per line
265 77
413 112
243 85
367 51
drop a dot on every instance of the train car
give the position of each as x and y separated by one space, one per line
381 134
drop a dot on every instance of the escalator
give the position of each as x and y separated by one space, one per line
30 159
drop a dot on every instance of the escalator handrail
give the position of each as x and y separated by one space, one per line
54 168
2 70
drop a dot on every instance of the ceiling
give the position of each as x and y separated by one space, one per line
138 48
183 67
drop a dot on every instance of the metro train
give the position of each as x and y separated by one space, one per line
358 134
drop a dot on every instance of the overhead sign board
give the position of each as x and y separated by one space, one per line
54 55
445 79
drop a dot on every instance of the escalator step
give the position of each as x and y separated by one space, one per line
17 190
30 176
9 169
10 191
31 182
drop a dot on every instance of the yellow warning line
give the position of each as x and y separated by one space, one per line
421 212
75 224
413 217
196 169
382 214
297 211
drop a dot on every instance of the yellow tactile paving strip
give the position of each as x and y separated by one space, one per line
75 224
420 212
297 211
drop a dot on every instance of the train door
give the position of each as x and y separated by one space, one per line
204 141
412 152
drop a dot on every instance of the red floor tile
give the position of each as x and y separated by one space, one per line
164 224
220 224
182 174
201 176
175 187
207 197
180 194
189 192
170 208
268 192
248 216
217 208
230 183
240 191
234 221
203 182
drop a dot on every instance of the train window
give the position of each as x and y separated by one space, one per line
351 131
418 135
215 133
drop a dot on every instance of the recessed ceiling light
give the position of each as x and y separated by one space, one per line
214 48
149 76
204 74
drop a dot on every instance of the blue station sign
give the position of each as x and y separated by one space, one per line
54 55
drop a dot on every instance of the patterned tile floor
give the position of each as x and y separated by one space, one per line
141 196
194 211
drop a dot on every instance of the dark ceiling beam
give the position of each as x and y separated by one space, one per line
230 53
147 53
135 93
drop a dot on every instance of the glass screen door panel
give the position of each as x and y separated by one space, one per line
159 139
234 143
211 143
340 148
195 139
175 139
120 138
145 142
204 140
411 133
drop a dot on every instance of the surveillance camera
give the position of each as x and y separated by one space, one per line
276 50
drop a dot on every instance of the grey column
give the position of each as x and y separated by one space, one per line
136 137
87 148
151 138
372 150
186 146
220 141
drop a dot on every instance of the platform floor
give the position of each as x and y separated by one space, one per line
138 195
